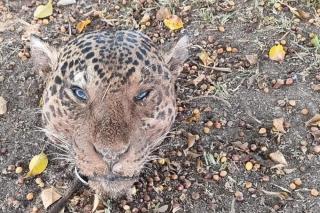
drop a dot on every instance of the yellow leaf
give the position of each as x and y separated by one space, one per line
173 23
205 58
277 53
43 11
37 164
82 25
49 196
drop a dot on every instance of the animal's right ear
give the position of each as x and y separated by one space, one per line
44 56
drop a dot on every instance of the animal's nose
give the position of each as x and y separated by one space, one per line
121 170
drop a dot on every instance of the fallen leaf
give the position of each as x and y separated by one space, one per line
191 140
314 121
277 53
252 59
43 11
173 23
82 25
205 58
66 2
49 196
281 195
315 41
163 13
163 208
277 125
278 158
299 13
37 164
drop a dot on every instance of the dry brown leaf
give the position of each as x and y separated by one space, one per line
281 195
299 13
191 140
82 25
49 196
315 87
163 13
278 158
163 208
277 125
173 22
205 58
314 121
277 53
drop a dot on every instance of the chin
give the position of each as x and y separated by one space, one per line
112 189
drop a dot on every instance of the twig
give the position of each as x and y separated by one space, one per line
209 96
56 207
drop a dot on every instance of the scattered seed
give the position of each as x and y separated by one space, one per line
161 161
239 196
209 124
206 130
292 186
265 178
249 166
304 111
221 29
223 173
223 159
292 102
283 42
195 195
248 184
289 81
180 187
262 131
19 169
297 182
216 177
220 51
29 196
314 192
316 149
126 207
229 49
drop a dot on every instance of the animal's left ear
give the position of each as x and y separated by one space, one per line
177 56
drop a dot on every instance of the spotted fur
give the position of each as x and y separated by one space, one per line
111 134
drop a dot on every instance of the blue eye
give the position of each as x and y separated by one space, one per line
142 95
79 93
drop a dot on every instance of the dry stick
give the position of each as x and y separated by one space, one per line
219 69
76 186
209 96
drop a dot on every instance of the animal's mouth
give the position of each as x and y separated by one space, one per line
104 178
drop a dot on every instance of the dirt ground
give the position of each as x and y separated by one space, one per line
226 108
